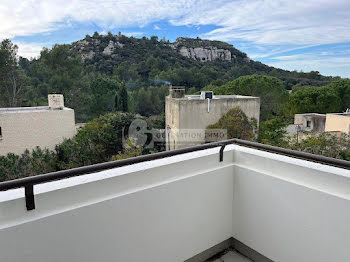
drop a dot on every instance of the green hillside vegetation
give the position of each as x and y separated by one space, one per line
136 64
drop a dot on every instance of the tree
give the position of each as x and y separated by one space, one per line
272 132
103 95
151 100
143 102
131 150
121 99
342 87
12 77
38 161
96 142
270 90
325 144
237 125
310 99
125 71
58 71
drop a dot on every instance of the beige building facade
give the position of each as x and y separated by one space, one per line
338 122
188 116
28 127
310 122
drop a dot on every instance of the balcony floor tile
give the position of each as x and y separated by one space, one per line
232 256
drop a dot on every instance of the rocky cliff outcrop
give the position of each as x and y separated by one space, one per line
205 54
108 51
207 50
89 48
111 46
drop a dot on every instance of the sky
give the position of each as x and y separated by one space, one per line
302 35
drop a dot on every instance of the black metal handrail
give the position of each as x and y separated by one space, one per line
33 180
28 182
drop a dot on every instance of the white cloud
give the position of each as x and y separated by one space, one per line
291 57
271 50
27 17
258 21
310 62
29 50
156 27
134 34
20 18
276 21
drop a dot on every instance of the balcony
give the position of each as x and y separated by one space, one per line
184 206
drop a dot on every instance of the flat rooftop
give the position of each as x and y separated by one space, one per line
9 110
198 97
312 114
340 114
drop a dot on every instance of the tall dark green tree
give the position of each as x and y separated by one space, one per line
12 77
58 71
103 92
151 100
121 99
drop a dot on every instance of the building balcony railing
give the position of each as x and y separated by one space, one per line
282 205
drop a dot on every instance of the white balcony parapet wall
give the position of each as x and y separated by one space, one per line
174 208
291 210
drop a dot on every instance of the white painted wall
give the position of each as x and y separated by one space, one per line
291 210
156 211
174 208
27 129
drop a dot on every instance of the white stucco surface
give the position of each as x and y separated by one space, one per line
174 208
27 128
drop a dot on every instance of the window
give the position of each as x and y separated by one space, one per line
308 123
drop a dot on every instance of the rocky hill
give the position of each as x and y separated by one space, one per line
140 59
88 72
196 49
118 48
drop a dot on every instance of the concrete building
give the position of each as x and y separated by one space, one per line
28 127
318 123
187 116
338 122
310 122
